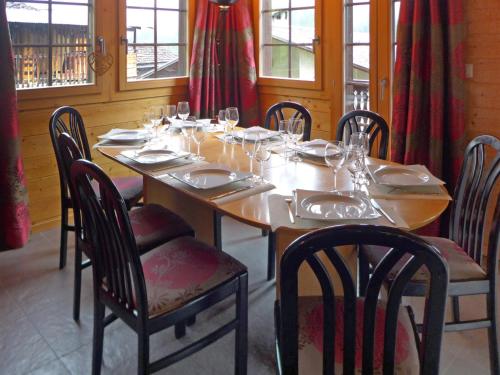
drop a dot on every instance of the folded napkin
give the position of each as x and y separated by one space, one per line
215 128
113 144
408 192
312 143
118 131
256 129
279 216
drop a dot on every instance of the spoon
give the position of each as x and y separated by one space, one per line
290 213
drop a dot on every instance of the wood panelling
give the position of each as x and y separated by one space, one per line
482 50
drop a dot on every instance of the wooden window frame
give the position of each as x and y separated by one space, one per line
317 84
123 83
48 92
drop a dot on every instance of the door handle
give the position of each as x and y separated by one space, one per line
124 40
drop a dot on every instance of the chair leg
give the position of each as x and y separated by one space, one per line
180 330
218 231
493 334
241 337
63 247
455 308
271 256
78 282
364 272
143 358
191 321
98 339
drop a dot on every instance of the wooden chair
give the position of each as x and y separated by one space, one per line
152 225
159 289
371 123
465 247
68 120
330 333
275 114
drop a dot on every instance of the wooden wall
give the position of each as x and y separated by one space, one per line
107 108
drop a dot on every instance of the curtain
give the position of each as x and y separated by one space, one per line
428 101
14 216
223 72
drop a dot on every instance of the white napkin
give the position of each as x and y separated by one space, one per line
118 130
408 192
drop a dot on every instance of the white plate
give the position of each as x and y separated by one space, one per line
342 205
209 177
316 150
153 156
256 134
410 175
125 136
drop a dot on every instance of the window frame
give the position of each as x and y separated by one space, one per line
70 90
317 84
123 83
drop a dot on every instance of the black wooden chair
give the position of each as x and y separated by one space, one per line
476 192
330 333
275 114
68 120
368 122
156 290
152 225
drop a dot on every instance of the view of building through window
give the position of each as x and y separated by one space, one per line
51 41
157 39
287 39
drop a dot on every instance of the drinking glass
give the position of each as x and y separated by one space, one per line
170 112
355 163
334 158
199 134
296 132
183 110
221 119
262 155
232 119
361 140
146 122
188 124
250 144
156 118
283 131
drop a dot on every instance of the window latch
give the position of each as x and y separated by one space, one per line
315 42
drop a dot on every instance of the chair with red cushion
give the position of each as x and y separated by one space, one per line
152 224
68 120
476 192
338 332
162 288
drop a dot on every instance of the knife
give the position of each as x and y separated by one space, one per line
381 210
230 192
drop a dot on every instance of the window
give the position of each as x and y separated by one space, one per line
288 39
51 41
156 36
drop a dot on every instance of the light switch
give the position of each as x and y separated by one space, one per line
469 70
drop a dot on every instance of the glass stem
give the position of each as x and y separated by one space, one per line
198 144
251 165
334 179
262 171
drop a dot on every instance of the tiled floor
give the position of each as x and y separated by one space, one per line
38 335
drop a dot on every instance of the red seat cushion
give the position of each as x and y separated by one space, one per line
130 188
311 338
183 269
461 266
154 225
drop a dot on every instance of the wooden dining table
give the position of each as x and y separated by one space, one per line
255 210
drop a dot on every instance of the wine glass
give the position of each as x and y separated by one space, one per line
148 124
199 134
296 132
183 110
156 118
334 158
232 119
250 143
221 119
355 163
283 132
361 140
170 112
262 155
187 129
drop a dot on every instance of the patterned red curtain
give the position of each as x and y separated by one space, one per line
223 72
428 104
14 216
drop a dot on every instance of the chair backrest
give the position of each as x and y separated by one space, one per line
118 275
67 120
371 123
318 250
275 114
475 191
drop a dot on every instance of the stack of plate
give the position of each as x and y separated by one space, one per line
125 136
151 156
209 176
255 133
403 175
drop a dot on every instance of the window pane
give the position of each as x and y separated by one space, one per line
357 96
302 3
140 62
395 15
28 23
275 4
70 14
169 4
69 66
140 23
302 62
361 24
275 61
70 34
168 22
31 67
141 3
303 26
280 27
169 64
